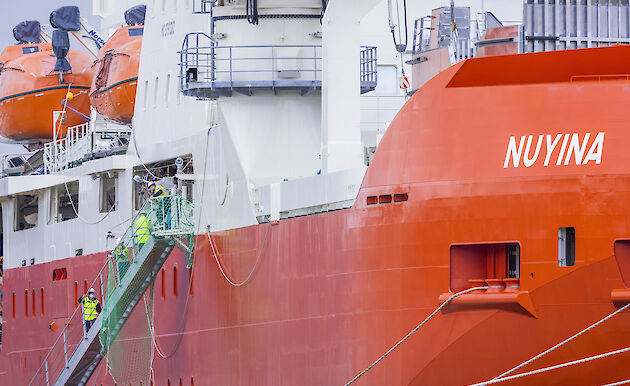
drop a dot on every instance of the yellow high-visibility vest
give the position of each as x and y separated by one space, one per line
159 191
143 229
89 308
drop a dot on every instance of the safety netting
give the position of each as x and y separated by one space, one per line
162 224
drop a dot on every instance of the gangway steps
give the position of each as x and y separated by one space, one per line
87 352
132 268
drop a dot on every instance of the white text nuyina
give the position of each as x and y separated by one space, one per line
555 149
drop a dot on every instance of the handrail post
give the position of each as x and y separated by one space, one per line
100 275
47 378
65 348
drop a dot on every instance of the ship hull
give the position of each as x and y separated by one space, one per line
329 297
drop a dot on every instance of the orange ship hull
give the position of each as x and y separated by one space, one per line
113 91
334 291
30 94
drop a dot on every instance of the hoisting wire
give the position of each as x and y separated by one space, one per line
399 45
394 347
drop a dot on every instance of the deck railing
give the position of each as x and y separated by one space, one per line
206 65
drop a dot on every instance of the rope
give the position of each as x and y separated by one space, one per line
624 382
561 343
192 274
561 365
414 330
251 274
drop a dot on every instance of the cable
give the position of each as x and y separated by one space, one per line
561 343
251 274
251 11
561 365
414 330
400 47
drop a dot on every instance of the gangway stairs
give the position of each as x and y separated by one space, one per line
160 226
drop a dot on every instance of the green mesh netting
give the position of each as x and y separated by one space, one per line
126 334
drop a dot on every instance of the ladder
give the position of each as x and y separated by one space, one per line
161 225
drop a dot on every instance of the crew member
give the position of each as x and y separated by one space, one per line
142 231
157 190
158 194
91 308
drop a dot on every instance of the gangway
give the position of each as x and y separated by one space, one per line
130 268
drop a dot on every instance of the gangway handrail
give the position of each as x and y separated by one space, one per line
63 333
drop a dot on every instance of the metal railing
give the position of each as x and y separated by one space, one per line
82 143
68 340
203 6
168 216
206 65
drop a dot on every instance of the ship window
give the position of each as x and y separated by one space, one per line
163 282
67 199
34 304
479 262
155 92
146 93
26 303
175 281
136 31
13 301
167 89
26 209
566 247
108 192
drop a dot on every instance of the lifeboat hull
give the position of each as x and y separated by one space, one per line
114 84
30 93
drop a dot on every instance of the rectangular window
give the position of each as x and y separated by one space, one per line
26 209
175 281
163 281
67 199
167 89
475 262
108 183
566 247
146 93
155 92
34 304
26 303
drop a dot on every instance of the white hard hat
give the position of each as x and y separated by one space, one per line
91 291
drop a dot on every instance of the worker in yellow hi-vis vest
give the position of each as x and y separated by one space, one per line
142 231
91 308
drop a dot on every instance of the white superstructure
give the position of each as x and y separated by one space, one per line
258 154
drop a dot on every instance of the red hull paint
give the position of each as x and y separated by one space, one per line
334 291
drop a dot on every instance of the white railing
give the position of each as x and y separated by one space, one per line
82 143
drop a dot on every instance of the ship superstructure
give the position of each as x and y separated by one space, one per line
298 241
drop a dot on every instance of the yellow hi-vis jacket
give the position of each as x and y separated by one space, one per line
159 191
143 229
89 308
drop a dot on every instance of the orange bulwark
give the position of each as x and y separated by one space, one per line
113 91
30 92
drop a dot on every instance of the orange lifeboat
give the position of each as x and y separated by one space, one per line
31 91
113 91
